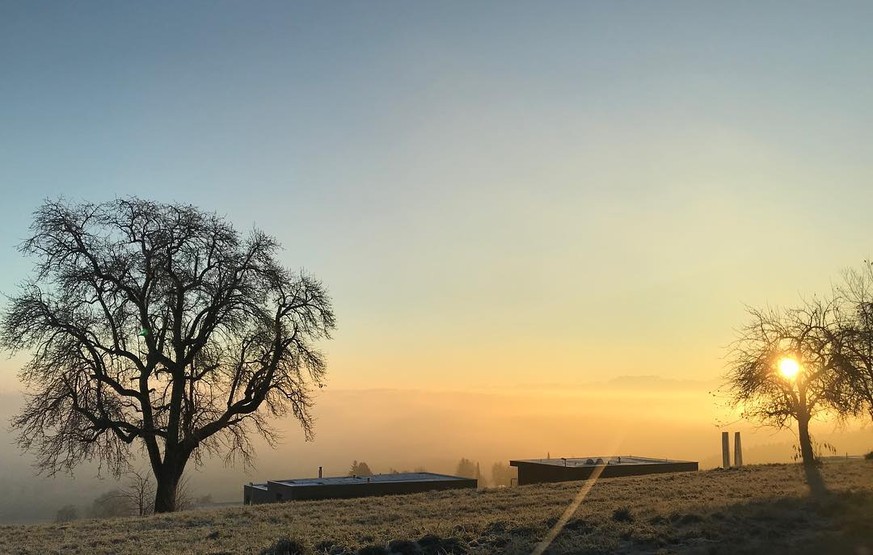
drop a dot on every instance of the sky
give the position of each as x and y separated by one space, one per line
497 195
492 192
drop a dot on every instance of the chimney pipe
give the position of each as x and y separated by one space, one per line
319 472
738 451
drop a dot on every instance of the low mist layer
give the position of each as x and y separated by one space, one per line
412 429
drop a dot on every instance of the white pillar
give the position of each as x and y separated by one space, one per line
738 451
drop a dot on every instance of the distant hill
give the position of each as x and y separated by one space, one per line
657 382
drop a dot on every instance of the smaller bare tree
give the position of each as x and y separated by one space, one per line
783 370
140 491
856 329
184 496
502 474
360 469
469 469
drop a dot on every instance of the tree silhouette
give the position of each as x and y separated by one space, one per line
468 469
856 329
808 335
502 474
67 513
360 469
158 324
140 492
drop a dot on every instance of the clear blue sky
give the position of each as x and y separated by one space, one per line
492 191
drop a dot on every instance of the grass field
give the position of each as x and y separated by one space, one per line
759 509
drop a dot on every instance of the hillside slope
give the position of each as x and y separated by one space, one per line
756 509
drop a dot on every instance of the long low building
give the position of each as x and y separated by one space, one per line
535 471
351 486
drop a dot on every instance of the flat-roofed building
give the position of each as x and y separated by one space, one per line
535 471
351 486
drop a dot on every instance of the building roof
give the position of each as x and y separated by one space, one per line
623 460
377 478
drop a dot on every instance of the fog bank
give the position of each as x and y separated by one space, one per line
407 429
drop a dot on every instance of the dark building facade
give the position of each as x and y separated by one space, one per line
535 471
351 486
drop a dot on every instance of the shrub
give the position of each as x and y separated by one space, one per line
404 547
67 513
622 514
431 544
285 546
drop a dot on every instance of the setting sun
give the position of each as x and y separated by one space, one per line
789 368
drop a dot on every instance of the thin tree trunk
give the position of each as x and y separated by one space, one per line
810 466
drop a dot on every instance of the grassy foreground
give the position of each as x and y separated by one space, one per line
759 509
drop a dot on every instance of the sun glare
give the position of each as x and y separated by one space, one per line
789 368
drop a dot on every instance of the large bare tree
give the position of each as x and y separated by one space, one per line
784 368
159 325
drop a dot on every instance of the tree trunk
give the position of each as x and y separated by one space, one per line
167 479
810 466
806 452
165 492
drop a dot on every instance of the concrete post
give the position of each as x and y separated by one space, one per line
738 451
725 450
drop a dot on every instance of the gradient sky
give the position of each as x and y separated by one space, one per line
494 193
